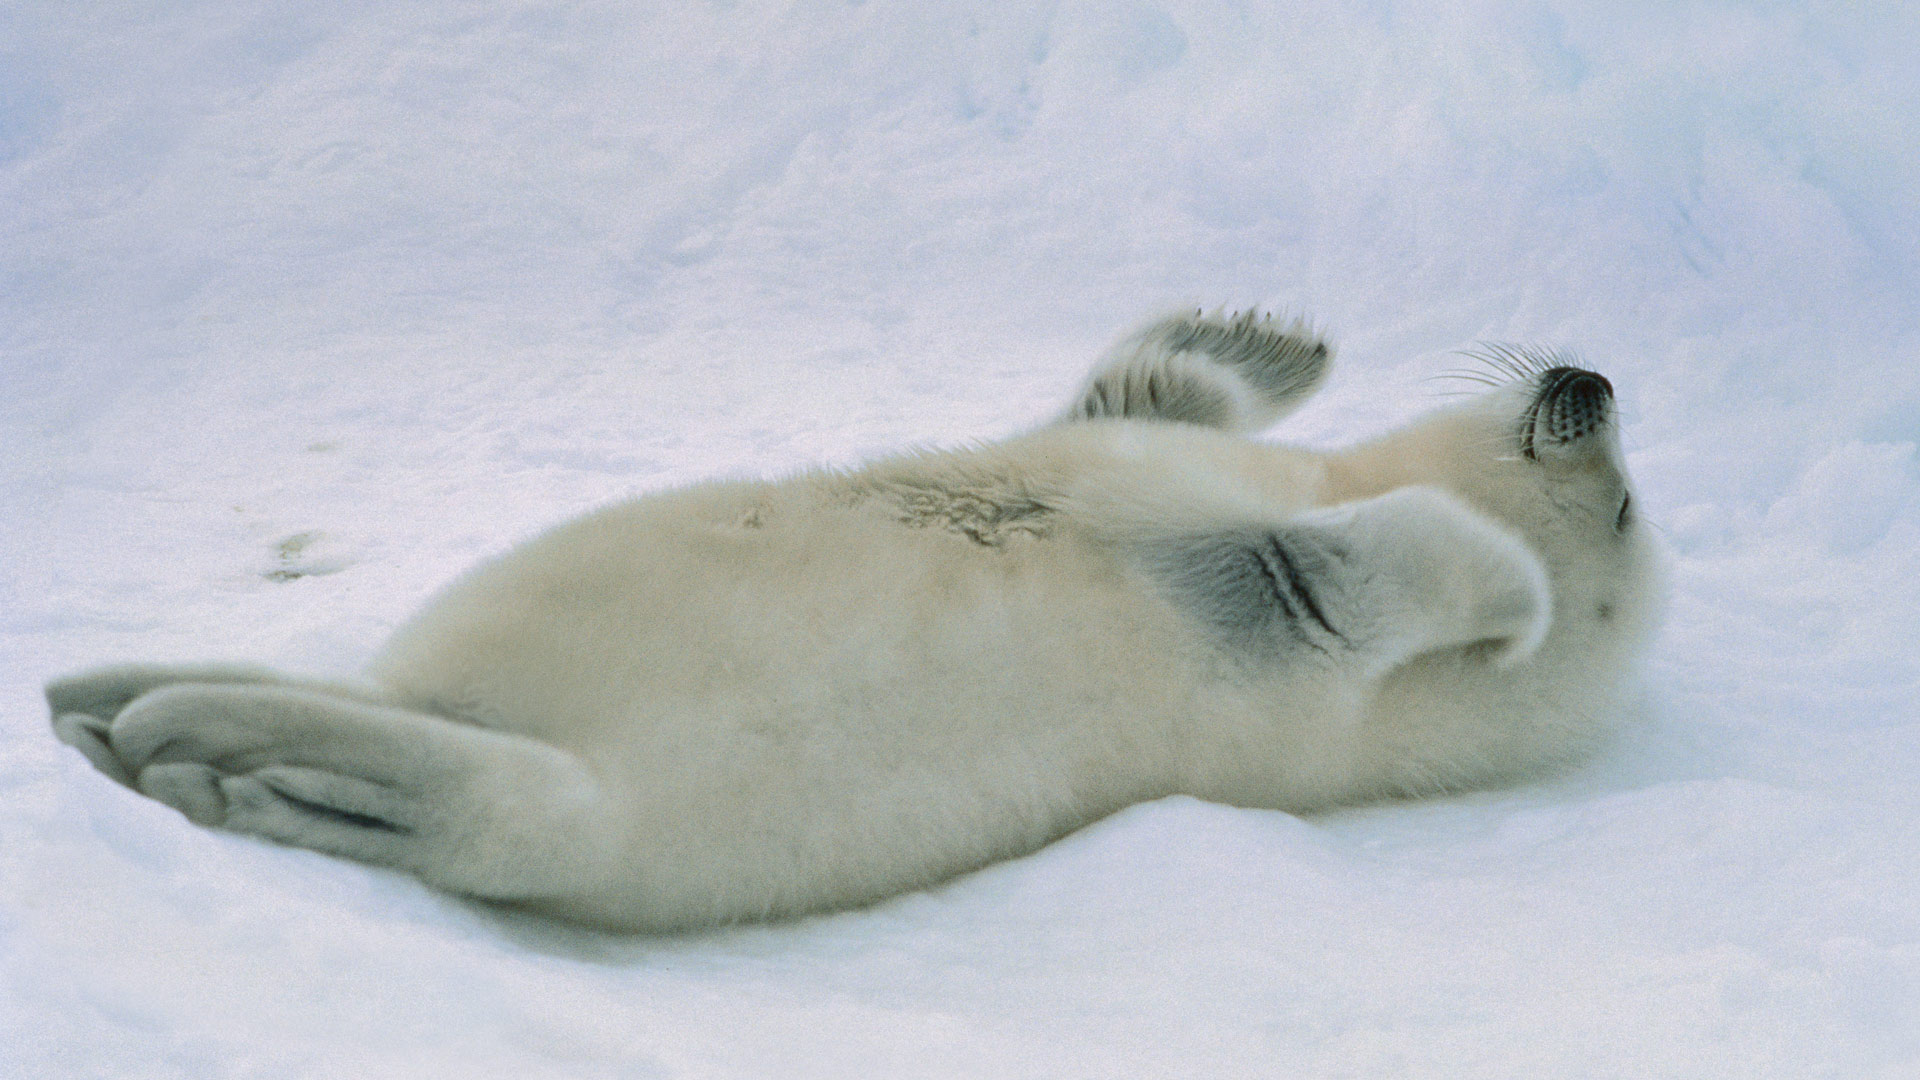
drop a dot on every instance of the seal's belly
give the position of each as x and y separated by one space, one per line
782 620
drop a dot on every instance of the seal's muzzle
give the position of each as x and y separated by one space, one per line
1571 405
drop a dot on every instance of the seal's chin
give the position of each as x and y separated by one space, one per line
1570 405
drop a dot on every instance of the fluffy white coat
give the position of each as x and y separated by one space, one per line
744 700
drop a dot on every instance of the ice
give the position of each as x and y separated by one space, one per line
304 308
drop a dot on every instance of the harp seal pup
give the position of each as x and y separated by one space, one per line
747 700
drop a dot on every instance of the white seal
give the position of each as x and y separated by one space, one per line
746 700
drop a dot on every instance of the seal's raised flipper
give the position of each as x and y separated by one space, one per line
1235 373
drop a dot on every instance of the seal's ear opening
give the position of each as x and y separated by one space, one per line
1568 416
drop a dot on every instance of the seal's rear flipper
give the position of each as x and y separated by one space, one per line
490 814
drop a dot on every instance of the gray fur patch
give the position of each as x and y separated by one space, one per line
986 512
1262 590
1153 388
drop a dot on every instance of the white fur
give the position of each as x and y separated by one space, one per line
744 700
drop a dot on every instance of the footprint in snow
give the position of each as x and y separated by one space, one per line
307 554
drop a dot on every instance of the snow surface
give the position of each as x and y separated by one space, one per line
305 307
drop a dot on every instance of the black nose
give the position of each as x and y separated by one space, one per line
1571 405
1561 379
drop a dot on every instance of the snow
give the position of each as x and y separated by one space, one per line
303 308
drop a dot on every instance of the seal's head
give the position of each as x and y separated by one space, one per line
1539 452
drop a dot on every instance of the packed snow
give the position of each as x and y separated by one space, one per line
306 307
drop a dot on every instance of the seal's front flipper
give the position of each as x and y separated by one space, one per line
1238 373
1368 584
